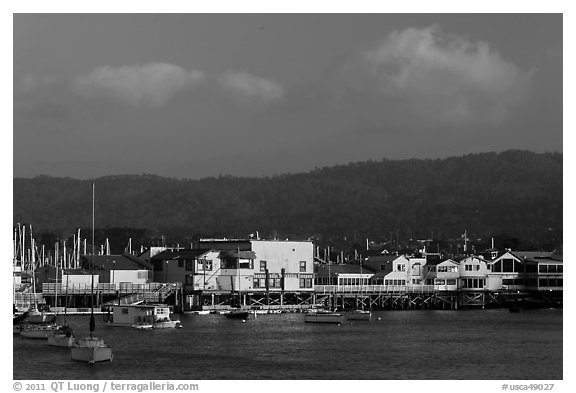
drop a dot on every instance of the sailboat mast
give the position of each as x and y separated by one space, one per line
92 322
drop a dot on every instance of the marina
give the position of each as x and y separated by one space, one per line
417 344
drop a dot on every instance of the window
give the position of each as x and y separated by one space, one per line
256 283
189 279
401 267
497 267
551 268
189 266
180 263
302 283
143 274
246 264
262 283
208 265
382 267
560 268
263 266
468 268
302 266
508 265
451 281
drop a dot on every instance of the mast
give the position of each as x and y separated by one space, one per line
92 322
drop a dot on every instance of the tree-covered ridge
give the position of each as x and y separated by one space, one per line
514 193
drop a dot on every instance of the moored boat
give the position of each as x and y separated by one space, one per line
156 315
39 331
143 326
238 314
359 315
91 350
63 337
322 316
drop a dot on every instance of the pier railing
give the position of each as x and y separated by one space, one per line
51 289
359 289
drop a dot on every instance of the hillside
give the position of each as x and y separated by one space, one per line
514 193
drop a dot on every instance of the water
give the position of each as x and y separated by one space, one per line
475 344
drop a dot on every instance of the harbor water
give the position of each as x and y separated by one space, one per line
394 345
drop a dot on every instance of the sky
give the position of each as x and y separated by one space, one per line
197 95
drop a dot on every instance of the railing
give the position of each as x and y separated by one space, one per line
373 288
103 288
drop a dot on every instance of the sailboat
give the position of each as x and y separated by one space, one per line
36 316
237 313
361 314
91 349
64 336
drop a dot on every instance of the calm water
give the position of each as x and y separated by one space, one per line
478 344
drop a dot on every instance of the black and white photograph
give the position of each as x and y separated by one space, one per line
293 196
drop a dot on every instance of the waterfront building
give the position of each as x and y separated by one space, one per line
511 272
442 275
118 270
343 277
544 270
264 265
386 264
473 273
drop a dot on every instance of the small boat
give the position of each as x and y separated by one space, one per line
91 350
63 337
237 314
157 315
40 331
359 315
143 326
40 317
198 312
323 316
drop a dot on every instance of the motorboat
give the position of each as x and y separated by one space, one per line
157 315
323 316
40 331
63 337
238 314
359 315
91 350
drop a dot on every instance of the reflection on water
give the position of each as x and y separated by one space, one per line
476 344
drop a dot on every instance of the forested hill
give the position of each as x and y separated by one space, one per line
514 193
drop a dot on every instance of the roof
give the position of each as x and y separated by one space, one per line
434 262
115 262
238 254
383 258
344 268
187 253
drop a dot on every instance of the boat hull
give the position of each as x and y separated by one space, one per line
38 331
142 326
359 316
91 350
40 318
237 314
323 318
61 340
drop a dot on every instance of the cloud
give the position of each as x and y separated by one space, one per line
246 86
152 84
428 75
